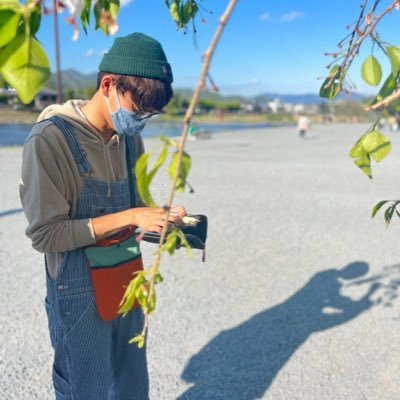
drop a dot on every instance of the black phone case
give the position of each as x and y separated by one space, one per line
195 235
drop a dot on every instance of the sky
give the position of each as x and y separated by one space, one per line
267 46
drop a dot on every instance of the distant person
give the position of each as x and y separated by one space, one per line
77 189
303 125
393 123
193 131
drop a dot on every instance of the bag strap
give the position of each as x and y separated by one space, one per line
78 153
130 161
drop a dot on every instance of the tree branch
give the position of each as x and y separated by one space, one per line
187 119
385 102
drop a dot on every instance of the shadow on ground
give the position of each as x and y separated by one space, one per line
241 363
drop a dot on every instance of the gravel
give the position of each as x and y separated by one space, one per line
298 298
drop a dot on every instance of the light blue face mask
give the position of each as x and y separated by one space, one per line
127 122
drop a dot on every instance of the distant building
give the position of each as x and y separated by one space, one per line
45 98
275 106
298 108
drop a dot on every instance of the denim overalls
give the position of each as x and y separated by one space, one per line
93 360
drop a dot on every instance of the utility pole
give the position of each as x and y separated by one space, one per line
57 52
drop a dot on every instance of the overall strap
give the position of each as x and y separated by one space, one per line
130 162
78 153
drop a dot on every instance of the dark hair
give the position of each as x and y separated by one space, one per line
148 94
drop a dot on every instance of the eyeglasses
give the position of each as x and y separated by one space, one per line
141 116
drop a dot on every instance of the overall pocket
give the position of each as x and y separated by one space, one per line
74 307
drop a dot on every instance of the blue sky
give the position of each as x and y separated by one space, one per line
267 46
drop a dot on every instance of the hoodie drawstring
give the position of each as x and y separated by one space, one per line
107 162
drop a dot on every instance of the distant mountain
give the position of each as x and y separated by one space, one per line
308 98
72 79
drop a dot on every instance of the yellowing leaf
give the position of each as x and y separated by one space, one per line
371 71
372 144
364 163
183 170
376 145
143 183
9 21
24 65
174 9
393 53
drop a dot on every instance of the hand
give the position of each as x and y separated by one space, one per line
179 211
153 219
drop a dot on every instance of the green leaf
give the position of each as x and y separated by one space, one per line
376 145
131 292
14 5
35 20
143 183
152 302
139 340
25 66
371 71
393 53
189 10
167 141
160 161
144 179
330 92
9 21
170 243
183 170
85 15
386 90
158 278
389 214
335 71
377 207
184 242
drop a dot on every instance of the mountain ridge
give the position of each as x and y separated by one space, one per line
73 79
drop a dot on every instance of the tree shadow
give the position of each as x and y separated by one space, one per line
242 362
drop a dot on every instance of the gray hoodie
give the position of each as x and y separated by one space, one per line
50 182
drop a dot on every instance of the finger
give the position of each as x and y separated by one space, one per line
179 210
156 229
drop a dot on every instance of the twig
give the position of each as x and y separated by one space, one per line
385 102
354 48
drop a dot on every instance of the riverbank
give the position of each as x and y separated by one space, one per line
8 115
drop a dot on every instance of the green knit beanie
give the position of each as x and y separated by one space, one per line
137 55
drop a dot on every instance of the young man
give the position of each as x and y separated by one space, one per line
76 190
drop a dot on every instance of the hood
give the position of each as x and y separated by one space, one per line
69 111
88 135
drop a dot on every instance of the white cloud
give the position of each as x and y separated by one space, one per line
124 3
289 17
89 53
95 53
265 17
